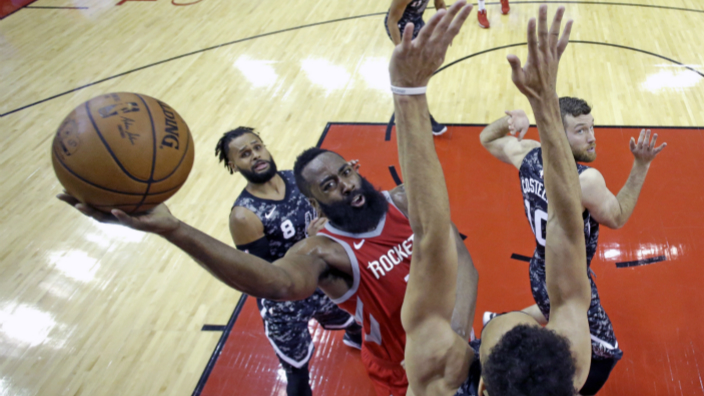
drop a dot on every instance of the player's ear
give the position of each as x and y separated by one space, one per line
232 167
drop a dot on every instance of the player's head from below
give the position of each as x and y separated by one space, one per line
520 358
242 150
579 127
334 188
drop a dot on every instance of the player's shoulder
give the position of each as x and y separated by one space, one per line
242 216
591 178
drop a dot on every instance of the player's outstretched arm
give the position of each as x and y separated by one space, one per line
614 211
430 296
566 267
293 277
503 138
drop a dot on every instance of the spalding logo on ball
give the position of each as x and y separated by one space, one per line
123 150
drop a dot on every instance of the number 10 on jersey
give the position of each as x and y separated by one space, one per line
538 219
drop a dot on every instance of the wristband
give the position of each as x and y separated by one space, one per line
408 91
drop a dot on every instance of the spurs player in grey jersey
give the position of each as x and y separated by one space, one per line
269 216
504 139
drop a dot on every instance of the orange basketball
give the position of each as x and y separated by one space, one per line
123 150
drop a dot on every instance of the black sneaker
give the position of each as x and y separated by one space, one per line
353 340
438 128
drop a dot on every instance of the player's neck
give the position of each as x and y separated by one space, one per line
274 189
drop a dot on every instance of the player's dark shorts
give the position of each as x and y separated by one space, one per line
417 20
286 325
605 350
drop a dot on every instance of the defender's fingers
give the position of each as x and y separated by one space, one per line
515 63
655 139
446 20
659 148
532 40
543 28
427 31
646 141
640 138
565 39
407 36
459 20
555 27
632 144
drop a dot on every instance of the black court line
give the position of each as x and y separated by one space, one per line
637 263
56 8
186 55
208 327
318 24
394 175
218 348
520 257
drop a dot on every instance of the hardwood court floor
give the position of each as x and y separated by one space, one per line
93 309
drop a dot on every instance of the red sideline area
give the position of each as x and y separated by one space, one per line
7 7
655 308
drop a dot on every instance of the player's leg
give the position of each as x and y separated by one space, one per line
297 380
286 327
481 15
332 317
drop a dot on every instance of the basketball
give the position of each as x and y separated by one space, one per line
123 150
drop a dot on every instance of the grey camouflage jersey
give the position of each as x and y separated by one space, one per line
604 343
286 221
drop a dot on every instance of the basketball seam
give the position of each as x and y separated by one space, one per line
58 158
151 175
188 145
107 146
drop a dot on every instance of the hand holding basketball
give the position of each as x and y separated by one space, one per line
413 62
158 220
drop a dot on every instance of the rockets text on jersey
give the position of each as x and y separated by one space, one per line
380 261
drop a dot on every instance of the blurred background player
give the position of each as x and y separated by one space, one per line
402 12
481 13
599 205
269 216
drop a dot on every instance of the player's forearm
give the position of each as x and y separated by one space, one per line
239 270
628 196
424 181
466 292
493 131
560 169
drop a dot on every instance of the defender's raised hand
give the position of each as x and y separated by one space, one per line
414 61
645 150
539 75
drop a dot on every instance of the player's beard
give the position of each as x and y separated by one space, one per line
261 177
357 220
584 155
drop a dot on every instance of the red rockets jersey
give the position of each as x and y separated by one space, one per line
381 261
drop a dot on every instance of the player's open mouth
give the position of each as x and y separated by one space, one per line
591 149
358 201
260 166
